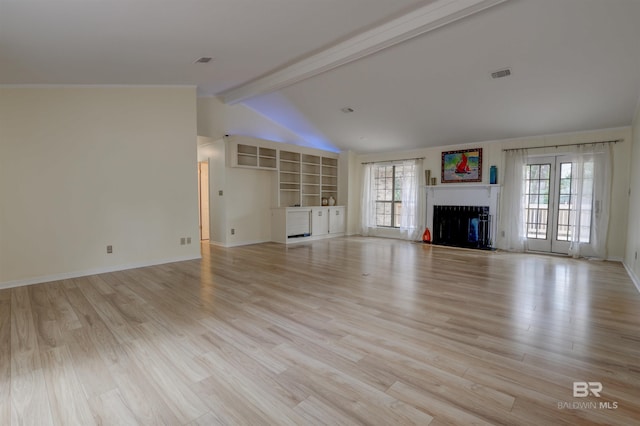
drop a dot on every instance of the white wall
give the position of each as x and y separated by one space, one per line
211 118
249 201
81 168
492 155
633 229
216 119
349 190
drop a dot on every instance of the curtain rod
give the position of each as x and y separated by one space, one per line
392 161
569 144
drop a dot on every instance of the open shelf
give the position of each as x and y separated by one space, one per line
311 176
246 155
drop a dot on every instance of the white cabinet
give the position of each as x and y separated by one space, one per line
319 221
337 220
327 220
296 224
290 224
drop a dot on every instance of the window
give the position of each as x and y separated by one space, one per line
388 191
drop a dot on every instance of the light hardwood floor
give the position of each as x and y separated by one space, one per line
340 331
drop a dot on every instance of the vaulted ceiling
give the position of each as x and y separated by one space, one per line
415 73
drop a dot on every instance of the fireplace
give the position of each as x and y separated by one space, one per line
462 226
468 214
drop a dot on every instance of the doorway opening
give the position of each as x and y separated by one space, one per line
203 199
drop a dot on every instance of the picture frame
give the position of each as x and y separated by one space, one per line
462 166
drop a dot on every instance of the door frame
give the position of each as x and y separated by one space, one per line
551 244
542 244
204 208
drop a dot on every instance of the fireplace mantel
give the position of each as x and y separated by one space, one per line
456 194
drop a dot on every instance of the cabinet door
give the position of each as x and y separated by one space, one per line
336 220
319 221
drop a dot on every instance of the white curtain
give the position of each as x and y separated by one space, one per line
412 212
513 202
591 186
368 201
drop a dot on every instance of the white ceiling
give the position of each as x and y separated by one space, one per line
575 63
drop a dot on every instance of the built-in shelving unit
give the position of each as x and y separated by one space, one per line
305 179
310 175
289 178
267 158
247 155
329 178
247 152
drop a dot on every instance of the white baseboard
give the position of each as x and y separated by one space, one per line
86 272
309 239
247 243
632 275
217 244
238 244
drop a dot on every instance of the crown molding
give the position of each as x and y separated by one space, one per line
96 86
413 24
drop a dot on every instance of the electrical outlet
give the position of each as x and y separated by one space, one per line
233 231
188 240
110 249
182 241
220 193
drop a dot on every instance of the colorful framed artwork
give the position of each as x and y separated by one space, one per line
462 166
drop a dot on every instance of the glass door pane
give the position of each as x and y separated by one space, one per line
538 202
566 200
575 199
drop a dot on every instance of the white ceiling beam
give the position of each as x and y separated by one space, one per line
413 24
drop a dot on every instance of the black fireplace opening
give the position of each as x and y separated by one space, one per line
462 226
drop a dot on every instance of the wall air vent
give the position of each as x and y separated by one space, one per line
501 73
203 60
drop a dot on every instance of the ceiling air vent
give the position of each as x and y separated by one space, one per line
501 73
203 60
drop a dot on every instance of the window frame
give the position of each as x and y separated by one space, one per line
396 204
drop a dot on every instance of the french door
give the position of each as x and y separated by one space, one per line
551 188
